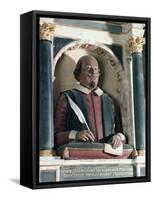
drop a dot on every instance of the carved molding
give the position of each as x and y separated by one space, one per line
46 31
135 44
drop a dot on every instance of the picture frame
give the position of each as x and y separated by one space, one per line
51 44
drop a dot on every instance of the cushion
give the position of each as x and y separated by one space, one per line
82 150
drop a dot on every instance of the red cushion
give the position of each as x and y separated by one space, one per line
71 153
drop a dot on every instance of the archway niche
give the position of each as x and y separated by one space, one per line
66 59
112 72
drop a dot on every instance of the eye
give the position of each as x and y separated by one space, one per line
87 67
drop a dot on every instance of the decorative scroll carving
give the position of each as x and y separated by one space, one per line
135 44
46 31
65 154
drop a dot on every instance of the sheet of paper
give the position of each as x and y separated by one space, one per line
108 149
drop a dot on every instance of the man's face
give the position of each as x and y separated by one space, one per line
89 75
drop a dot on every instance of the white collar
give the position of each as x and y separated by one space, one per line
85 90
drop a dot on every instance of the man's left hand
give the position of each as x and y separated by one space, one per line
116 141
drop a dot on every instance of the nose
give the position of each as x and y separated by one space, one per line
91 70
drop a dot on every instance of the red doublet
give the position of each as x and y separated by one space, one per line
94 110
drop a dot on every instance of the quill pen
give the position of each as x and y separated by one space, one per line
78 112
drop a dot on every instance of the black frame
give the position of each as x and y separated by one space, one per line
29 83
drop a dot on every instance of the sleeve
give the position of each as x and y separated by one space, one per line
62 136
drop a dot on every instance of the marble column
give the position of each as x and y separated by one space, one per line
46 137
136 48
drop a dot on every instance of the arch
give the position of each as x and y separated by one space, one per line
103 54
113 82
95 47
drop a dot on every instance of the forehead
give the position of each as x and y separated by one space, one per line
87 66
89 60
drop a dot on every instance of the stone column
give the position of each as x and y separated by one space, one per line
46 135
136 47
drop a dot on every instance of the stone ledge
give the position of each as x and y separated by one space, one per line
52 161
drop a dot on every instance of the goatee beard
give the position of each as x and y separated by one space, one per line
92 84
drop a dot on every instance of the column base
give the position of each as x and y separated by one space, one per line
141 152
47 153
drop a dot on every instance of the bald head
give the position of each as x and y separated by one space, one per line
88 60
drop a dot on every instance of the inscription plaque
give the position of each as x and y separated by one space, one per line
83 172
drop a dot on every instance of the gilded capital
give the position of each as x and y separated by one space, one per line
46 31
135 44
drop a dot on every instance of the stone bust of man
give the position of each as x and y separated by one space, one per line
101 114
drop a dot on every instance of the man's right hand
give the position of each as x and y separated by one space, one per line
85 136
